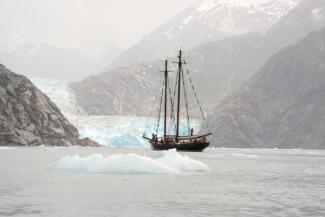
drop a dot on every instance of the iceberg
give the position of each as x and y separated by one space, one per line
243 155
6 148
170 163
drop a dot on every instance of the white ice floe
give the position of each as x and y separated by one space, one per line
6 148
170 163
242 155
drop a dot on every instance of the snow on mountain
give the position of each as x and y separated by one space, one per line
206 21
37 59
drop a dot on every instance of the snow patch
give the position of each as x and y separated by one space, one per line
187 20
206 5
170 163
318 14
272 7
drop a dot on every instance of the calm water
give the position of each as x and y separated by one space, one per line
240 183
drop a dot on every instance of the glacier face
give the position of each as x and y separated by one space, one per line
122 131
61 94
112 131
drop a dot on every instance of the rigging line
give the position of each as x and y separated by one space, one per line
151 114
175 89
172 113
161 99
197 99
173 100
186 104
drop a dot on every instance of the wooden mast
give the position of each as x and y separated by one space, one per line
178 92
165 113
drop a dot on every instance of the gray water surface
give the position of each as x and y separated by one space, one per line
241 182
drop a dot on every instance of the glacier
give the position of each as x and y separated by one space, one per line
122 131
170 163
111 131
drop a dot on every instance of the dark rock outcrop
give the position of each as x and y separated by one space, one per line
283 106
29 117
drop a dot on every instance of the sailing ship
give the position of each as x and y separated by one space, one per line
189 142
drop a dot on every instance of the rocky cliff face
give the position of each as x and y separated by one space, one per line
126 91
282 107
29 117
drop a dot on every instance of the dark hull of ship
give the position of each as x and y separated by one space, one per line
190 146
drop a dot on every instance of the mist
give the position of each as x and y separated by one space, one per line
83 23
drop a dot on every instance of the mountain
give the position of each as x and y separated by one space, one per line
29 117
135 90
308 16
207 20
120 92
283 106
37 59
217 68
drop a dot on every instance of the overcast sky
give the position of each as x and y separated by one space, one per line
83 23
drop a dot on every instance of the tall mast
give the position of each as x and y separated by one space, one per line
179 92
165 113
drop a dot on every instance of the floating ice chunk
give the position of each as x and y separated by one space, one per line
181 163
170 163
214 155
6 148
244 155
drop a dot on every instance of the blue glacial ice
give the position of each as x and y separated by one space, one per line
113 131
120 131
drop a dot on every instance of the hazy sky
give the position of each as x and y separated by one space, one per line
83 23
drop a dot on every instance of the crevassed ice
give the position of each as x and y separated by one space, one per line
61 94
170 163
123 131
